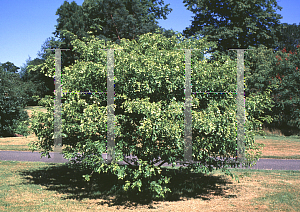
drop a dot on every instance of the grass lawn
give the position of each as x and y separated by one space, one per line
35 186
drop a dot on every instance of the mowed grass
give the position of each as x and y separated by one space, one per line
280 147
35 186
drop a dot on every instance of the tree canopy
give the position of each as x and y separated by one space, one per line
37 83
149 78
9 67
235 23
12 100
108 20
290 36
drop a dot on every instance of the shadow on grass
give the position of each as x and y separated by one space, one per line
69 181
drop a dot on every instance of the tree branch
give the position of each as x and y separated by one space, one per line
161 163
126 161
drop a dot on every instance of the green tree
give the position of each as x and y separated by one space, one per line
245 24
9 67
279 67
235 23
15 83
286 111
12 102
87 20
279 73
124 19
290 36
149 86
37 84
109 20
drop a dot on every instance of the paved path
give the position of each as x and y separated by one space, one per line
268 164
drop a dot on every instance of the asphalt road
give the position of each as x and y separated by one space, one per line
267 164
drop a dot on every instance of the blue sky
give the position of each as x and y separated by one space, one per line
26 24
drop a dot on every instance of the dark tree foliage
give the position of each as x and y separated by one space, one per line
37 84
124 19
235 23
290 36
9 67
9 70
12 101
109 20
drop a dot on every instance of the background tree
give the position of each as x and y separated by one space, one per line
9 70
109 20
37 84
245 24
88 20
290 36
9 67
235 23
12 101
277 72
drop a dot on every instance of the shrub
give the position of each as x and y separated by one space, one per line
269 71
12 100
149 105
